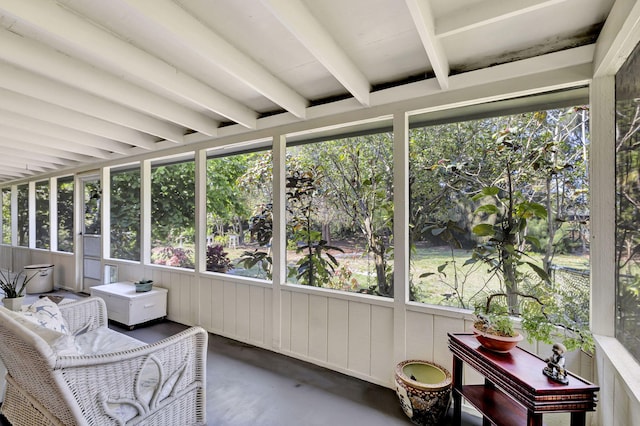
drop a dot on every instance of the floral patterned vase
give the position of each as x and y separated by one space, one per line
424 391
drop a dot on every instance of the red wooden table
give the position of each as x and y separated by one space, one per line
515 391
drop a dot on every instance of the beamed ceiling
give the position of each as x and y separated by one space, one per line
84 81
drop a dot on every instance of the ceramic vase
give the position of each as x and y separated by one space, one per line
424 391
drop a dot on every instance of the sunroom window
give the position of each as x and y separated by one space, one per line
125 213
460 175
339 199
42 215
6 215
173 213
628 204
23 215
239 214
64 193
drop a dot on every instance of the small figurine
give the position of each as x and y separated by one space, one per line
555 365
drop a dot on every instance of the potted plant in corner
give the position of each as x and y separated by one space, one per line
13 287
527 289
217 259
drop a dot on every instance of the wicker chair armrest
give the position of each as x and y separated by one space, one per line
85 314
115 377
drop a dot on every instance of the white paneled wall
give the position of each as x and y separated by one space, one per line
349 333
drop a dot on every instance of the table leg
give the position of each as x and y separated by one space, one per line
457 390
534 419
578 419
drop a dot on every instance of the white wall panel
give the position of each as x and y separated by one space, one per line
419 336
300 323
285 320
268 318
216 305
39 257
206 303
338 332
21 258
382 343
5 257
257 315
441 326
318 327
63 270
229 310
243 312
359 337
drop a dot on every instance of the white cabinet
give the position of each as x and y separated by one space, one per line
130 308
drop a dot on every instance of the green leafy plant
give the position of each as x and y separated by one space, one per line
13 286
217 259
317 266
526 290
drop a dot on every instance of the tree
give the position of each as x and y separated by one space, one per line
125 214
359 178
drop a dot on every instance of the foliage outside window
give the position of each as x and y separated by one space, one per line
125 214
173 214
466 176
23 215
340 214
239 196
64 193
6 215
628 204
92 206
43 229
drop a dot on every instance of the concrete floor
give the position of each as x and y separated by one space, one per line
252 386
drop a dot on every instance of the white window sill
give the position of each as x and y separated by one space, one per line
625 365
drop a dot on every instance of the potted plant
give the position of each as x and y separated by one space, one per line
143 285
13 286
528 292
217 259
505 207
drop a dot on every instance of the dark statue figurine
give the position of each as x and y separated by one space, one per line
555 365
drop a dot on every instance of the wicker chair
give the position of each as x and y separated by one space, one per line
46 388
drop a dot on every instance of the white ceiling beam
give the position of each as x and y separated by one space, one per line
486 12
618 38
423 20
295 16
44 111
46 130
52 64
12 163
35 139
54 20
217 51
12 174
40 149
43 159
39 87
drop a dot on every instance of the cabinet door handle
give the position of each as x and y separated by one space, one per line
149 305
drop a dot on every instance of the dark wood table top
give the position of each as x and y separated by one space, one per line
519 373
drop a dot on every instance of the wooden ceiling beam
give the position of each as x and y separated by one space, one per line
424 23
101 48
41 59
219 52
297 18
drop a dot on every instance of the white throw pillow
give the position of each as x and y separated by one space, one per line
46 313
61 343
